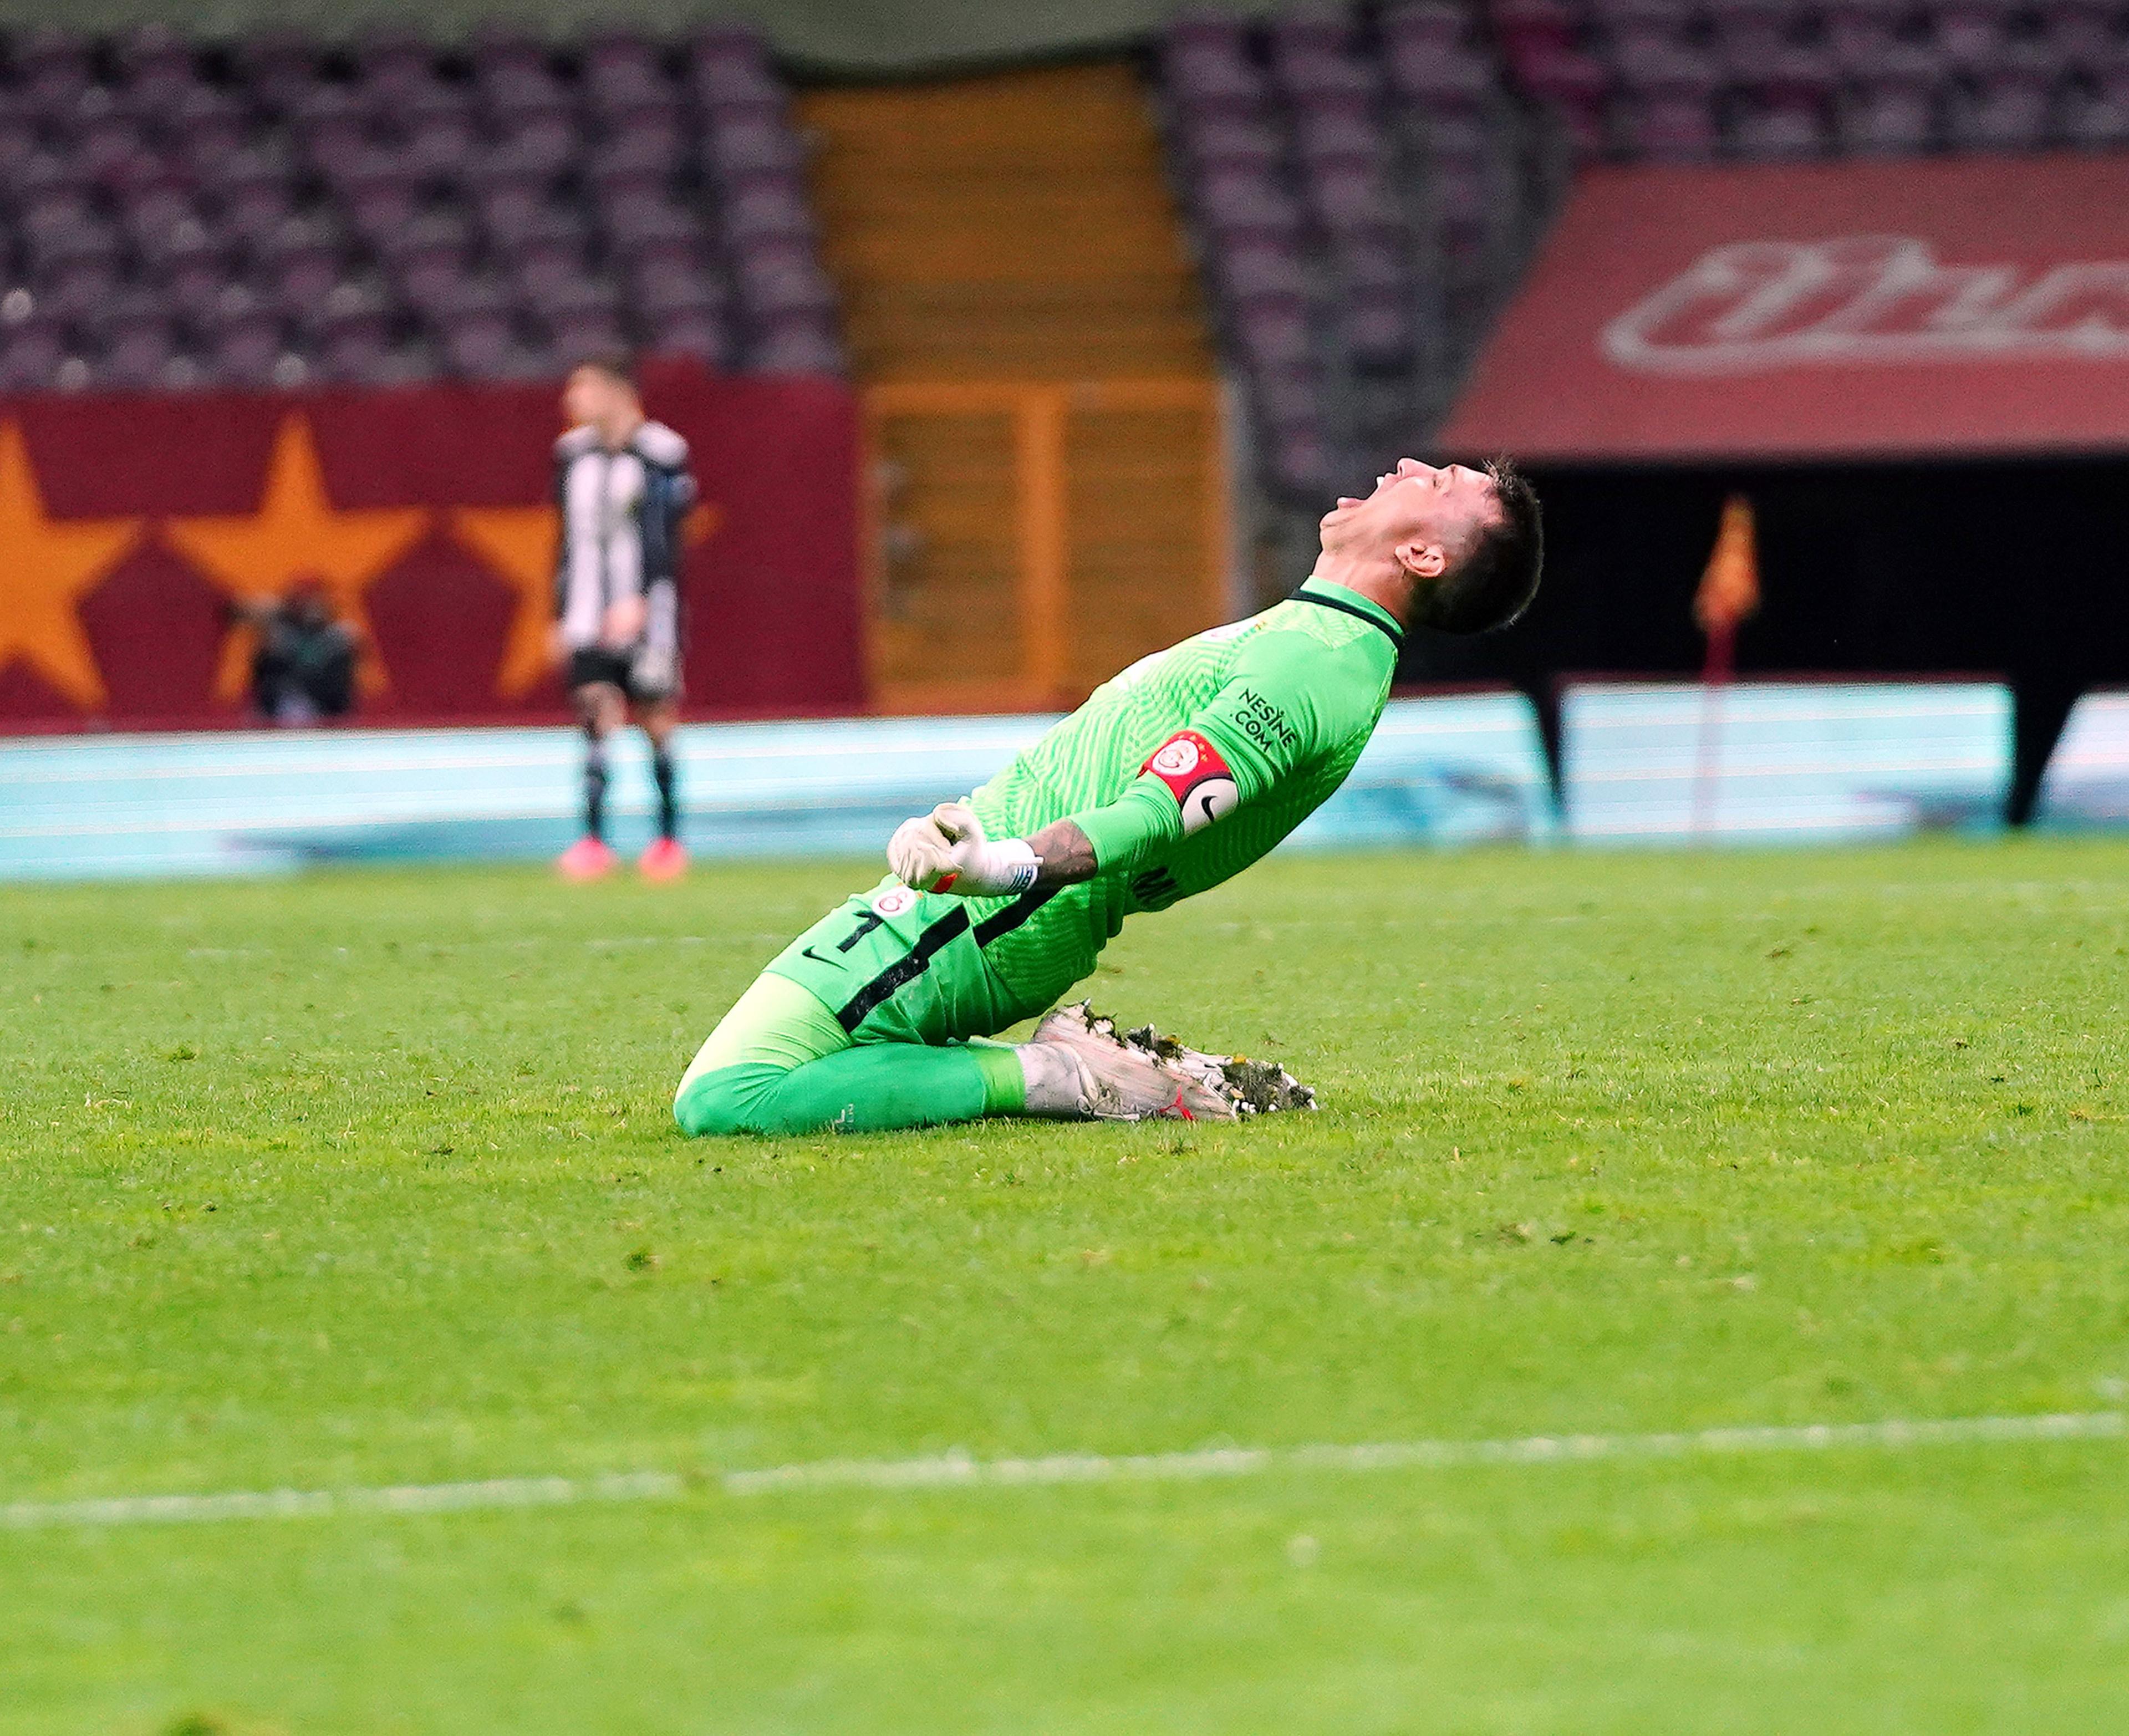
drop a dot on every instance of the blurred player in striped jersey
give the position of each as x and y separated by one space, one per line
1174 776
622 488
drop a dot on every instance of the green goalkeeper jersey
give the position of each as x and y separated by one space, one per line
1188 766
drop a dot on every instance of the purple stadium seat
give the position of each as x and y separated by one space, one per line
1308 61
1525 25
696 333
1775 132
775 279
515 81
660 287
1286 396
767 209
537 147
1668 127
1662 64
2095 112
641 157
1574 84
1238 201
1206 64
731 66
581 295
18 143
1429 78
622 72
1440 25
1300 461
1371 263
351 306
1463 197
112 150
298 262
375 214
1339 134
252 212
2006 111
395 67
439 146
1866 45
434 246
30 353
479 345
1895 118
2083 33
1377 327
244 351
1272 335
204 130
1972 34
194 286
514 216
540 265
1352 200
442 304
1261 271
1216 140
571 337
157 67
750 142
57 247
137 357
796 345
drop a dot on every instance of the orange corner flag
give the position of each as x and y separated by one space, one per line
1729 588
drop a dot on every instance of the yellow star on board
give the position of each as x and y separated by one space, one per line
297 536
45 566
518 543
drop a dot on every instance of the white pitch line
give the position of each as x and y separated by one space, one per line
960 1471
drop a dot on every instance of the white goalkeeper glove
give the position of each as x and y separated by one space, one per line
946 851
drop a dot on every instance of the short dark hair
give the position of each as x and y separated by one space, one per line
1493 584
615 364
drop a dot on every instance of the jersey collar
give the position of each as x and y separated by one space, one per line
1323 592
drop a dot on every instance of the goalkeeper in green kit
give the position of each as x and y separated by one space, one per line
1173 777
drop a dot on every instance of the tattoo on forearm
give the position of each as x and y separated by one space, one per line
1066 853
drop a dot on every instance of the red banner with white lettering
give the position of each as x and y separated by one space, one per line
129 525
1964 307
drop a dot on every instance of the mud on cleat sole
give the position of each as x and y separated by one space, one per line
1249 1087
1124 1082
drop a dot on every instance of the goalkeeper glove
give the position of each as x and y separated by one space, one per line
946 851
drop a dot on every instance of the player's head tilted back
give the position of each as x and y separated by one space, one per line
1469 542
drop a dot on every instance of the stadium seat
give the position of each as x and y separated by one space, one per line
696 332
2005 110
247 185
1779 130
2095 115
1894 118
802 343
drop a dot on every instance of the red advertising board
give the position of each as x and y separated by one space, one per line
128 524
1969 307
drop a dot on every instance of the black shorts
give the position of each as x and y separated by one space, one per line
595 665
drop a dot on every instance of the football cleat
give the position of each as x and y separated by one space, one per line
588 859
665 860
1123 1083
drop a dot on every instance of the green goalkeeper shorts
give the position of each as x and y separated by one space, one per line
896 965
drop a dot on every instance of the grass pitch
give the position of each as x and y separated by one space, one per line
369 1180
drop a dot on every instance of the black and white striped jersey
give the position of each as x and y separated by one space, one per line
621 513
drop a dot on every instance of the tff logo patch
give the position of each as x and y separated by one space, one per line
1195 776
